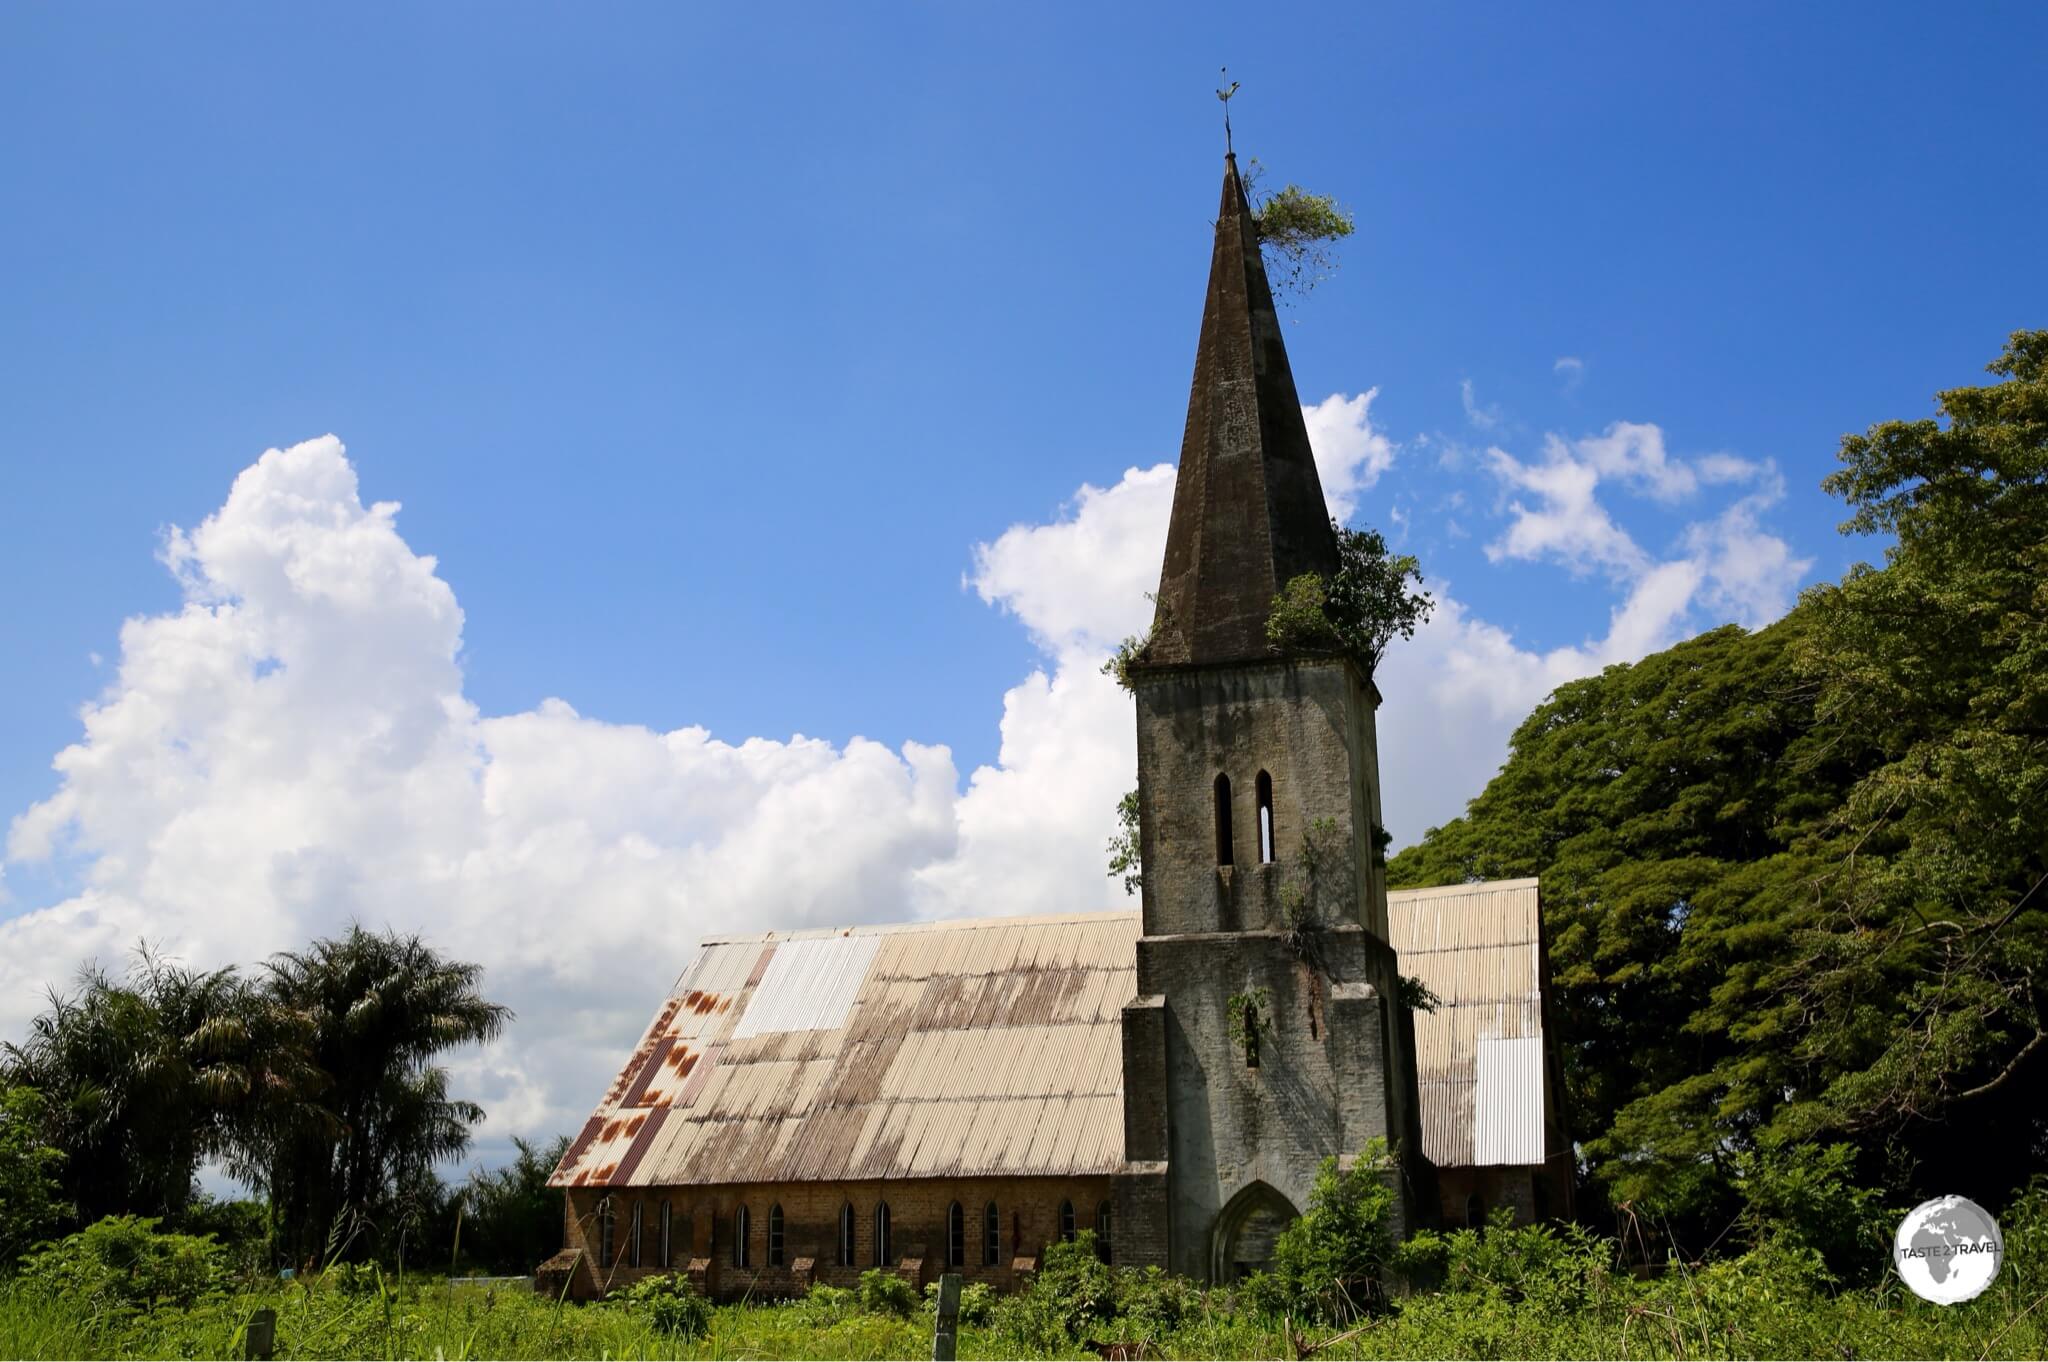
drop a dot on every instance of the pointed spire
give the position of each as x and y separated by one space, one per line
1248 512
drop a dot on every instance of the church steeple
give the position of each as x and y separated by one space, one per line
1247 1061
1248 511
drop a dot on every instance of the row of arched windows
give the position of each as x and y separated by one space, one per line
664 1225
1262 793
881 1246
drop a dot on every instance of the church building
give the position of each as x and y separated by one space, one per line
954 1096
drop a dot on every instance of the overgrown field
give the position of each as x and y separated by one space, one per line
1760 1304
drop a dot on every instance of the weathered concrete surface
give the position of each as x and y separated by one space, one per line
1309 726
1248 512
1302 934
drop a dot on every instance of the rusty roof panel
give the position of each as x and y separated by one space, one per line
923 1049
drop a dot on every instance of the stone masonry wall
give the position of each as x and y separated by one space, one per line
1335 1065
1309 726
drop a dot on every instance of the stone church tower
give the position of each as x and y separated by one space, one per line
1267 1034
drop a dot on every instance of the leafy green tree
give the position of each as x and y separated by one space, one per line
1374 596
145 1077
1659 802
31 1199
512 1219
1791 879
1925 963
380 1008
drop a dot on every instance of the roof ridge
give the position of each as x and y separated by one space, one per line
1471 887
955 924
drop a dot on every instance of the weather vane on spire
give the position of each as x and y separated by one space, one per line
1225 95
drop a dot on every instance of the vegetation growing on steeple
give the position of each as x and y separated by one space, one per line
1123 847
1373 596
1296 231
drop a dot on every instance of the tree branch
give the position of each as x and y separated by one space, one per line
2010 1069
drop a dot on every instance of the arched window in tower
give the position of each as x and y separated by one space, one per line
1223 820
1264 791
956 1235
1250 1022
882 1258
991 1236
846 1235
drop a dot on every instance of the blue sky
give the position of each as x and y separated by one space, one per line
702 346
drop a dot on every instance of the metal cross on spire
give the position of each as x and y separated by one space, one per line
1225 95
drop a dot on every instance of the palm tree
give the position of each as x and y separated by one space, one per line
143 1079
378 1008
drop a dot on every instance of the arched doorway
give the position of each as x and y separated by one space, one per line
1242 1241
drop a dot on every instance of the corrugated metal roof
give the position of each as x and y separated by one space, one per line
994 1047
1507 1101
980 1048
1479 1056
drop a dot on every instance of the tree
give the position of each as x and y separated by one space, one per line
1660 803
380 1008
144 1078
1926 959
512 1219
1373 597
31 1199
1792 880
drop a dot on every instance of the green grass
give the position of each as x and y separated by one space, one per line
1678 1316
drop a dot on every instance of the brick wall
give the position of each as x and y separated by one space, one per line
703 1223
1533 1192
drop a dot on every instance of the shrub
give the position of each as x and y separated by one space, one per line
1330 1263
825 1305
123 1264
1372 598
977 1301
668 1303
1151 1302
1029 1324
1557 1266
1075 1284
353 1279
1296 622
1801 1197
882 1292
241 1228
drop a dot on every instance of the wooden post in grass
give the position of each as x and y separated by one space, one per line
259 1340
946 1333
